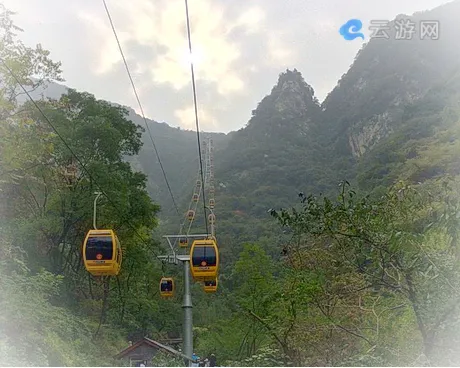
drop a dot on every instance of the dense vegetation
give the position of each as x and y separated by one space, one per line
313 273
52 311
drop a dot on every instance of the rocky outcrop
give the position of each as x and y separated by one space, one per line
368 134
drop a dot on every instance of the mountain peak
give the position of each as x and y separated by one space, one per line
292 93
291 97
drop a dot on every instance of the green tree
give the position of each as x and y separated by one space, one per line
32 66
403 246
47 197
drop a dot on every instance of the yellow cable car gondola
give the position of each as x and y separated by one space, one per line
167 287
211 203
191 215
102 253
183 242
210 286
204 259
195 197
212 218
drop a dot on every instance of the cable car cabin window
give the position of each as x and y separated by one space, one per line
99 245
166 286
201 254
210 283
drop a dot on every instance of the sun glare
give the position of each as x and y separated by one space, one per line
196 57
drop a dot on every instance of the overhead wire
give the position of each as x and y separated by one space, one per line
210 176
195 206
140 107
196 112
185 218
83 166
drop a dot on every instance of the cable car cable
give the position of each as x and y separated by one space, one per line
72 152
191 204
195 205
140 107
196 112
184 220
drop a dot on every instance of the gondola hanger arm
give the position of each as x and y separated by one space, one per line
98 194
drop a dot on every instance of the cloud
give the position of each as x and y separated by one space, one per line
206 120
102 43
278 53
240 48
251 20
162 26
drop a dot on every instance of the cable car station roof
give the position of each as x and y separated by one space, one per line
152 343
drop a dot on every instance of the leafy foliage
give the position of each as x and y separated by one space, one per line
401 247
60 315
36 332
162 359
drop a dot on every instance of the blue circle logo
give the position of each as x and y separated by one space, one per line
350 29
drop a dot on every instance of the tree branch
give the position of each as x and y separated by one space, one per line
341 327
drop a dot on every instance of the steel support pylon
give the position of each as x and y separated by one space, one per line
188 313
187 301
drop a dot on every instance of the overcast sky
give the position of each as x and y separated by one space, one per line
240 47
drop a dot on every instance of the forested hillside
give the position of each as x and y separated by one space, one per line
337 223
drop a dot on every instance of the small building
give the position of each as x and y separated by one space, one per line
143 351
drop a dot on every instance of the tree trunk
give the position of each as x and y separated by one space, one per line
427 337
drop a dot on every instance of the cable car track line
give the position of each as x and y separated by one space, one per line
73 153
195 204
182 225
196 112
140 107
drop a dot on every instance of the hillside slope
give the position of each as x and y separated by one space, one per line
276 154
368 102
176 147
